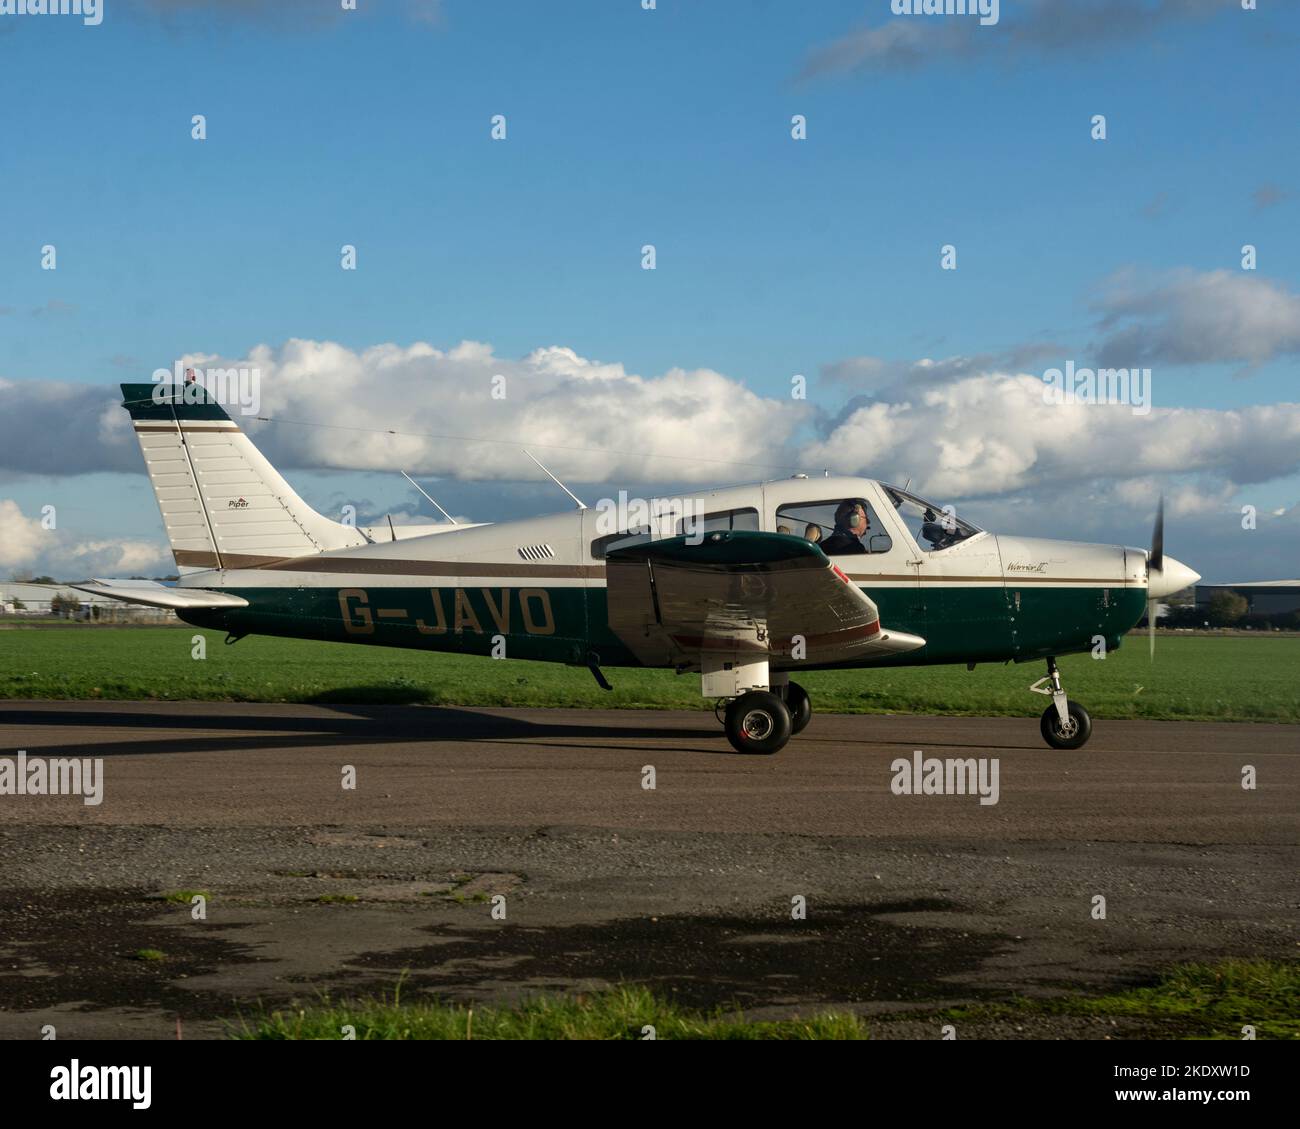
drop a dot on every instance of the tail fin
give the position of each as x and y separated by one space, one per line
223 504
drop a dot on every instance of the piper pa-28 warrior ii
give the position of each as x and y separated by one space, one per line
752 586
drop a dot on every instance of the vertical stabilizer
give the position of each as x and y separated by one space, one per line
223 504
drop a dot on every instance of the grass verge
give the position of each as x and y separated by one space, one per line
1190 1001
622 1013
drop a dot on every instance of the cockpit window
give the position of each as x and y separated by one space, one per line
934 527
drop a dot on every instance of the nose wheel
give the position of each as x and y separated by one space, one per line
1070 734
1064 724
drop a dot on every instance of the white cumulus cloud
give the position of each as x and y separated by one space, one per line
995 433
26 545
466 412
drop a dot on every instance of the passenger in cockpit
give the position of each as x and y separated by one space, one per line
851 522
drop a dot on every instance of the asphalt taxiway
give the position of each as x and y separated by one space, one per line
911 901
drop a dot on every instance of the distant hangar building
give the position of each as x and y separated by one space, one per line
22 598
1263 597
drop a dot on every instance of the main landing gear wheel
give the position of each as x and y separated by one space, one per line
758 722
800 707
1073 733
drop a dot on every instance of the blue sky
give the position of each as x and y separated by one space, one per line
628 127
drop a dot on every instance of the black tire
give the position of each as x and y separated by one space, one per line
1073 737
800 707
758 722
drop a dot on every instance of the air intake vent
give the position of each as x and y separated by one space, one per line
536 552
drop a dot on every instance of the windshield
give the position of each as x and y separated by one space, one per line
934 527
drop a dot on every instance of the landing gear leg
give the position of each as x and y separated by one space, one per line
1064 724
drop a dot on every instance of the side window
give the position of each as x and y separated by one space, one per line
621 540
816 522
746 518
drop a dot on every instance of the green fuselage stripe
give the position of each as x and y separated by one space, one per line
960 622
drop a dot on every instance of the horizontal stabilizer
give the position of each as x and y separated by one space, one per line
155 595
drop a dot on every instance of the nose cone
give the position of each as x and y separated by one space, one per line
1173 577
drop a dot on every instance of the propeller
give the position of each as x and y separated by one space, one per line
1155 563
1165 576
1157 557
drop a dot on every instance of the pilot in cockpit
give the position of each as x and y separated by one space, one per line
851 523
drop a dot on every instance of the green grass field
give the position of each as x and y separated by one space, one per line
1194 677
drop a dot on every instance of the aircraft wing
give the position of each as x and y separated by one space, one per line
155 595
742 593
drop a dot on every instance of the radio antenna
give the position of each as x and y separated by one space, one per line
581 504
425 493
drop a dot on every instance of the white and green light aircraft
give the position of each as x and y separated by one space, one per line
746 585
